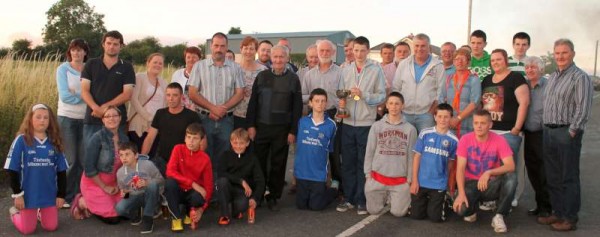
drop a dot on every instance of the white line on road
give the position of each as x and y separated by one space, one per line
596 96
361 224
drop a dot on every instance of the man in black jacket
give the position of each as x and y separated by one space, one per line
273 113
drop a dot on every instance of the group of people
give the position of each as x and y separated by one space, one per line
424 134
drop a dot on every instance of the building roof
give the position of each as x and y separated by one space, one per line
289 34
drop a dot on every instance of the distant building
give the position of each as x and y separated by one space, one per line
299 41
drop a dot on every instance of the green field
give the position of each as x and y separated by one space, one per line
26 82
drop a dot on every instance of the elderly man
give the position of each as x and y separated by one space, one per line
264 53
533 148
567 106
480 59
312 59
326 75
366 83
448 50
216 86
272 117
419 78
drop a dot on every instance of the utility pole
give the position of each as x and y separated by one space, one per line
596 59
469 21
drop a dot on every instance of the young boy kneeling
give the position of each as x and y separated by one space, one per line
141 185
241 182
316 132
435 153
189 178
388 160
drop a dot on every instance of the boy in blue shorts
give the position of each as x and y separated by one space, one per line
316 132
435 154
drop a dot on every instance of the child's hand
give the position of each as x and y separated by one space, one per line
252 203
199 212
141 183
247 189
19 203
414 187
59 202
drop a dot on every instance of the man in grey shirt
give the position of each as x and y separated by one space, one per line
216 86
567 105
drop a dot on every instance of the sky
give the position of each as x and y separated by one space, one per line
193 21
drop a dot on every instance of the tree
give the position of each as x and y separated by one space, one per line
549 63
234 31
174 54
22 47
70 19
137 51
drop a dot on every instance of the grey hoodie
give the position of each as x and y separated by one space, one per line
390 148
371 82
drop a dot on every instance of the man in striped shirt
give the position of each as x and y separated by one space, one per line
516 63
216 86
567 105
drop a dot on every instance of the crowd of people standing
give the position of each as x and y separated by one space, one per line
425 134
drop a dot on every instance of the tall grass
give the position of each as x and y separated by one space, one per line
28 80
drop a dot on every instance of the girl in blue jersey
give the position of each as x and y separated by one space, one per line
37 169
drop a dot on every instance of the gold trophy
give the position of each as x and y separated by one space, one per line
342 113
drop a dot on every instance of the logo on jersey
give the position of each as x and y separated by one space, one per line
445 143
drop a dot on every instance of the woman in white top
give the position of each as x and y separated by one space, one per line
181 76
148 97
71 111
251 68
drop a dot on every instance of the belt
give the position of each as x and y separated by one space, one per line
202 112
556 125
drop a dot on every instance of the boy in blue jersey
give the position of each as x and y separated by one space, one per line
435 154
316 132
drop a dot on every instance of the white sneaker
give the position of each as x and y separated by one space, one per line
471 218
498 224
66 205
514 203
488 206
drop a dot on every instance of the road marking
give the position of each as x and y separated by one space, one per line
596 96
364 222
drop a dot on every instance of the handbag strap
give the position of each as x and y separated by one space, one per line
145 103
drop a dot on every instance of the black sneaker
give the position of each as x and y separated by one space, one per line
147 224
272 204
137 218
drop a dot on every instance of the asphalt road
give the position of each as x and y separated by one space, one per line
291 222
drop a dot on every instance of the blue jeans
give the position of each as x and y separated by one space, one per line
72 135
501 189
420 121
561 160
354 143
128 207
217 134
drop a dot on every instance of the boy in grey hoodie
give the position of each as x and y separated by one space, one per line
365 80
388 159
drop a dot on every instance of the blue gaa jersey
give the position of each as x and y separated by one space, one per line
435 149
38 166
313 144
